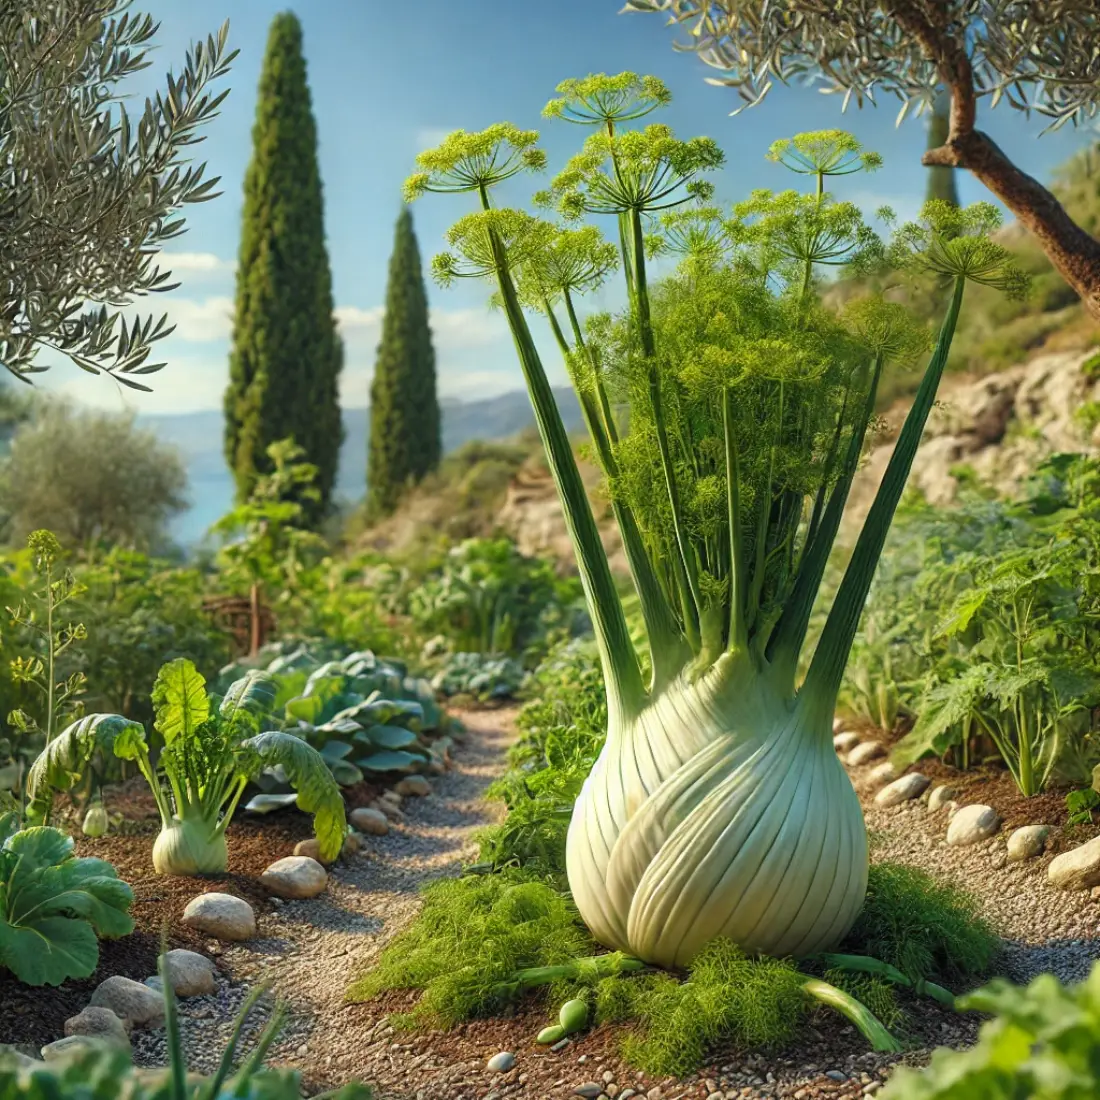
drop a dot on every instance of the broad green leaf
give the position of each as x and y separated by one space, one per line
308 774
253 694
388 761
336 750
49 951
64 760
345 773
390 737
180 700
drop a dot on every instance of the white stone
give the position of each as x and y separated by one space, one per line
845 742
902 790
971 824
882 774
312 849
369 820
295 877
130 1000
222 916
865 753
1077 869
191 974
1027 842
73 1046
502 1062
939 798
391 796
415 785
100 1023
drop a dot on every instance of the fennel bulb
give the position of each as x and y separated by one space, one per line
192 846
717 807
96 821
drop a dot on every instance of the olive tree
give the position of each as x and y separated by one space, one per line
1034 55
88 191
93 478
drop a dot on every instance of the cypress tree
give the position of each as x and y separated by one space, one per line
404 409
286 356
941 177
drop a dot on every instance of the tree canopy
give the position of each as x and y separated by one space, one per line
90 192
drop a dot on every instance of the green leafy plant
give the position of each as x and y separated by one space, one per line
1040 1044
54 906
482 676
728 410
108 1073
213 747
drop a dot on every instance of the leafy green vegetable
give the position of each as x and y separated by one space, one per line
1041 1044
53 906
212 749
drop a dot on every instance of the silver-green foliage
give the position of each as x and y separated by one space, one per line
90 191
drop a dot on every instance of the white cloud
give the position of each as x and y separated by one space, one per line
199 320
428 137
194 263
353 319
452 329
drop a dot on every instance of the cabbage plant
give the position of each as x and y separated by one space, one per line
53 906
212 748
728 409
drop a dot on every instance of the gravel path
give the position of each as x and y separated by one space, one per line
311 950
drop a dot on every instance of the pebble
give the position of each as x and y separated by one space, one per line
902 790
864 753
415 785
845 742
881 774
370 821
191 974
73 1045
100 1023
502 1062
312 850
972 824
836 1075
129 1000
589 1090
221 915
561 1044
1027 842
295 877
939 798
1077 869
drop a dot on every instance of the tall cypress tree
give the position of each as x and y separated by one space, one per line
404 409
941 177
287 356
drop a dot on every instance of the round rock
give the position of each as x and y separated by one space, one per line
589 1090
222 916
1027 842
415 785
865 753
311 849
99 1023
295 877
370 821
191 974
73 1046
1077 869
129 1000
881 774
502 1062
902 790
845 742
972 824
939 798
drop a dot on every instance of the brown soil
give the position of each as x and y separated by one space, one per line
34 1017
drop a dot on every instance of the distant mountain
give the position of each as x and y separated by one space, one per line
199 438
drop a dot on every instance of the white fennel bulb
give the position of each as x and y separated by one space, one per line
717 806
677 833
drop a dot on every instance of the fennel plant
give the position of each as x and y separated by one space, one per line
213 748
728 409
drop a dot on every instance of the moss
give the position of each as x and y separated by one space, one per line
927 928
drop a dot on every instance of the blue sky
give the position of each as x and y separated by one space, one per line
388 79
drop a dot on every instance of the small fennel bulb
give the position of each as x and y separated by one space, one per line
96 821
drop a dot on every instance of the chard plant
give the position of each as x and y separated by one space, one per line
213 748
728 409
